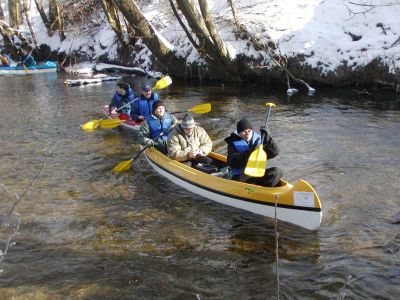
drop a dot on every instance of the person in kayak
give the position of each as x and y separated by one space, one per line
241 144
122 100
189 143
143 105
155 129
25 58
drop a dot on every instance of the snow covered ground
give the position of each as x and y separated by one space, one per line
328 33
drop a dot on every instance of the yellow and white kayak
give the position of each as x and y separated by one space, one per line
298 204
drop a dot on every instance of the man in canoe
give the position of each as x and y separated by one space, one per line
122 99
25 57
143 105
155 129
241 144
189 143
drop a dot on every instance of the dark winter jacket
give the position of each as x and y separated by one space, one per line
237 159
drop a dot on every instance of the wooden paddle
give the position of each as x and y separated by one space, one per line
257 162
111 123
126 165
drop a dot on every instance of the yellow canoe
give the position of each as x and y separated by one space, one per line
298 204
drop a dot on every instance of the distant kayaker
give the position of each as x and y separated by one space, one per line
241 144
189 143
155 129
122 100
143 105
26 59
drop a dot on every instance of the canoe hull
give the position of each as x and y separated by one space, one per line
130 124
48 67
255 199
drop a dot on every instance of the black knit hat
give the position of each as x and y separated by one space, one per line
243 124
157 103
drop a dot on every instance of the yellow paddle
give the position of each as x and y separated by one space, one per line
197 109
126 165
257 162
162 83
111 123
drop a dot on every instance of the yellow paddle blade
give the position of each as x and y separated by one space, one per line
110 123
91 125
201 108
256 163
162 83
272 105
123 166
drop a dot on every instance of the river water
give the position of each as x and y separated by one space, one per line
86 233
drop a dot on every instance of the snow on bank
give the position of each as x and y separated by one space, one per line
328 33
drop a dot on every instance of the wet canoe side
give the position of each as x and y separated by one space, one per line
298 204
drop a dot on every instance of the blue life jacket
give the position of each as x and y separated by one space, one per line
122 100
241 146
158 126
145 106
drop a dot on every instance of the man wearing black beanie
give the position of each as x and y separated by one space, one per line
241 144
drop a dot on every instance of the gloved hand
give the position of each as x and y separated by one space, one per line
267 135
151 143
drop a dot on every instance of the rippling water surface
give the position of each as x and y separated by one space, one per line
85 232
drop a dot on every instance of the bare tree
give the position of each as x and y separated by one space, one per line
210 45
111 11
14 10
56 18
1 12
26 9
43 15
150 37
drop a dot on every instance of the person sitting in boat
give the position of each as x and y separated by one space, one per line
143 105
189 143
122 100
26 59
241 144
155 129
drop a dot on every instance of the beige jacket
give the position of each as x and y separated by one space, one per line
179 145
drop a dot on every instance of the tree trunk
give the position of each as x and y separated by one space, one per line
14 10
8 32
147 33
26 9
111 12
1 12
56 18
220 66
219 44
43 15
185 29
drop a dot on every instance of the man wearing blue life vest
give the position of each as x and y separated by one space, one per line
155 129
241 144
143 105
122 100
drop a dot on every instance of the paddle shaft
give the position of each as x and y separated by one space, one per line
118 109
266 125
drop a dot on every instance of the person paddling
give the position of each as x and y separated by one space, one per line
121 101
155 129
26 58
241 144
142 107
